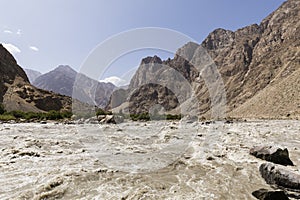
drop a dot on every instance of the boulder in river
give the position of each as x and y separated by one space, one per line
272 154
264 194
112 119
280 176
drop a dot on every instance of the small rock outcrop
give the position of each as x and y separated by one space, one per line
272 154
112 119
156 94
280 176
264 194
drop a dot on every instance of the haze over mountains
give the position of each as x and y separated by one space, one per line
32 74
61 80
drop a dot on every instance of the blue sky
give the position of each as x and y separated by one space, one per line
47 33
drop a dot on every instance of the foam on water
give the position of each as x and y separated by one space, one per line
155 160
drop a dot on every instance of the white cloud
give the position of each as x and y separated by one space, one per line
19 32
33 48
7 31
11 48
115 80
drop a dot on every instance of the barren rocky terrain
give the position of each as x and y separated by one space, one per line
258 62
279 100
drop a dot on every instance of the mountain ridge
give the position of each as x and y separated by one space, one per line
248 60
63 79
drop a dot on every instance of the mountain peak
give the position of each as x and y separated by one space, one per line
151 59
64 79
187 51
65 68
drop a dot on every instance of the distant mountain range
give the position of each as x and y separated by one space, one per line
61 80
258 64
53 91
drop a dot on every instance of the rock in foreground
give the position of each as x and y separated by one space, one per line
272 154
264 194
280 176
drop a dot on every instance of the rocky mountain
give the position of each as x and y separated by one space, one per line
278 100
259 56
59 80
62 80
251 65
16 93
9 71
32 74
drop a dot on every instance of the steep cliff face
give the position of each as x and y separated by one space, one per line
16 93
275 62
254 57
9 71
232 52
248 60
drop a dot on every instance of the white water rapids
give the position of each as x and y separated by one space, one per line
138 160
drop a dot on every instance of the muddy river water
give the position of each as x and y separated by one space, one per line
139 160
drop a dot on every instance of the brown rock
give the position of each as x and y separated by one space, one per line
256 59
263 194
272 154
280 176
112 119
